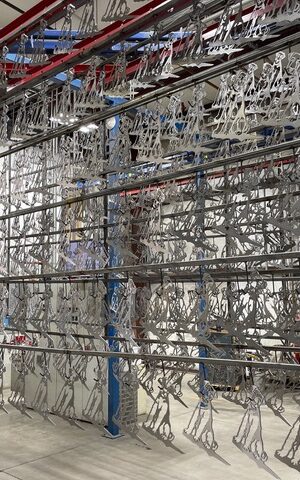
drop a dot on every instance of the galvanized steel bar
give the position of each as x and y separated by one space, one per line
157 179
153 357
243 259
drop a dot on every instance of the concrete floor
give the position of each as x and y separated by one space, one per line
36 450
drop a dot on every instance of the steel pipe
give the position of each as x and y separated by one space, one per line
157 179
129 269
272 348
212 208
292 275
153 357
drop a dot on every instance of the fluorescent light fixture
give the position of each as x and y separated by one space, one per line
92 126
111 123
88 128
84 129
63 119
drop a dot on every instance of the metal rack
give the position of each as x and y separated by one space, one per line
104 245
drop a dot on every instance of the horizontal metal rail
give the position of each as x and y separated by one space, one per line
134 168
211 208
135 238
131 168
160 358
237 346
163 266
219 276
157 179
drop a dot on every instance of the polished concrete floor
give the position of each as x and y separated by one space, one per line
31 449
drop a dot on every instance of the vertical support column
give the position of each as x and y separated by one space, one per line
6 320
112 429
203 370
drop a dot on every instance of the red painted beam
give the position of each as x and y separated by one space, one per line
28 22
140 19
133 66
81 69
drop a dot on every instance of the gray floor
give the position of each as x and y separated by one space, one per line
35 450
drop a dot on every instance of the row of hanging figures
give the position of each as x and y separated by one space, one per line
267 389
159 58
229 37
169 308
243 102
70 32
164 385
179 235
251 391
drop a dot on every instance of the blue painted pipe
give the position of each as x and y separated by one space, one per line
51 37
113 384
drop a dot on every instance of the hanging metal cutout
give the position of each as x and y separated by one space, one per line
3 75
39 57
65 41
116 10
88 22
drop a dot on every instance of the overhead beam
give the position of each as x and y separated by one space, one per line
81 69
210 10
141 19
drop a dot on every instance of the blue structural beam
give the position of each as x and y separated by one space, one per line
52 37
137 37
113 384
113 363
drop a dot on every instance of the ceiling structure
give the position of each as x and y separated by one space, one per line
11 10
176 21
